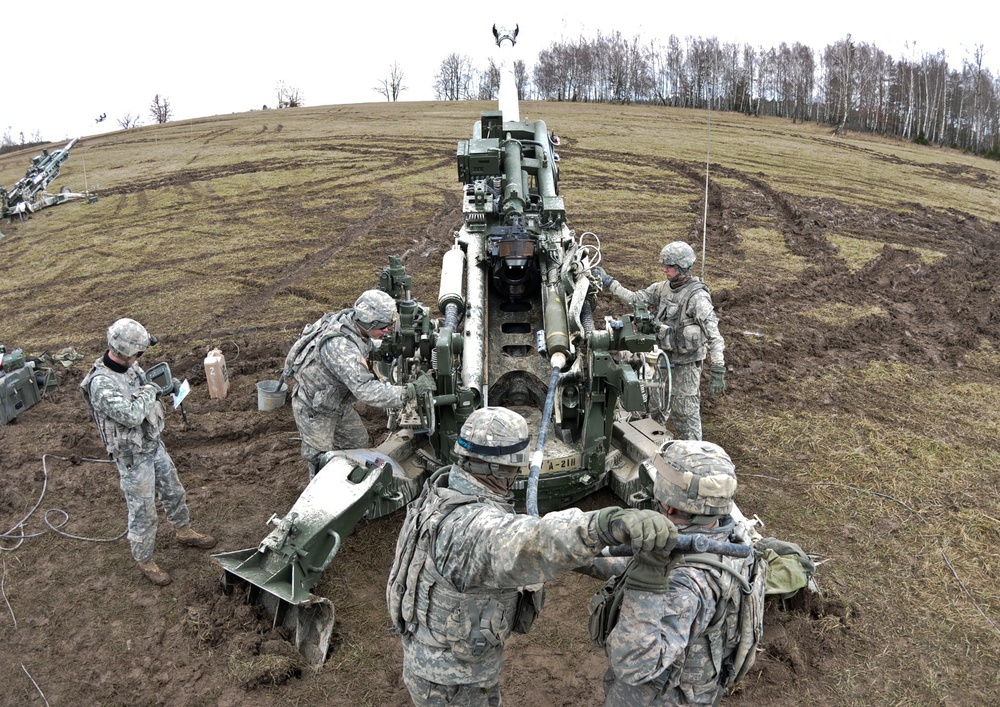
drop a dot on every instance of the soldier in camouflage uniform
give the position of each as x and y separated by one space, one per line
129 415
674 640
468 569
330 365
683 304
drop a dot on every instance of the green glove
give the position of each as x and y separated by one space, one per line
644 530
648 572
717 383
424 383
602 275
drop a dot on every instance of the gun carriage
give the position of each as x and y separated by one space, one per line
29 194
513 326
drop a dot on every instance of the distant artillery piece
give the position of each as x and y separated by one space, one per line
28 195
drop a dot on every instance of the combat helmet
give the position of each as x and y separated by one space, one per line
374 309
680 255
694 477
128 338
493 441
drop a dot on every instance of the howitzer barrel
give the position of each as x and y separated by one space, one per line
507 98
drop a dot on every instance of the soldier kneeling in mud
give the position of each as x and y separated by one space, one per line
129 414
330 365
468 570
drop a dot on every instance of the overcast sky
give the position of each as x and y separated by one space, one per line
68 62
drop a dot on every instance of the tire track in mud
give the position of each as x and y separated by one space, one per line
429 153
240 310
924 314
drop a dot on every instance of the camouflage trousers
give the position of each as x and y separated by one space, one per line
144 478
618 693
324 432
429 694
685 400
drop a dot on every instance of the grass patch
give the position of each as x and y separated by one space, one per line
768 255
858 252
840 314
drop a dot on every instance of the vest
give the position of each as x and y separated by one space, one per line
315 385
724 653
118 438
472 623
685 341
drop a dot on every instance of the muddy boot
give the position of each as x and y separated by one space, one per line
188 536
154 574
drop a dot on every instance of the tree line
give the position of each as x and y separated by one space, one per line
849 85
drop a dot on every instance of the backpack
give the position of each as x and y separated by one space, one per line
743 627
313 336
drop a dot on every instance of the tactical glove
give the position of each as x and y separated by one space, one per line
648 572
602 275
642 529
424 383
717 383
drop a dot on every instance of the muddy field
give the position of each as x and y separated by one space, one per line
815 291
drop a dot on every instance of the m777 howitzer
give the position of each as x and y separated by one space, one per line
29 194
516 329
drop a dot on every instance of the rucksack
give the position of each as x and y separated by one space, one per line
313 336
743 627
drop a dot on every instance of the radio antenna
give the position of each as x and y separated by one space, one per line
708 161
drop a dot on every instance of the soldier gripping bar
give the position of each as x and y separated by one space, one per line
692 543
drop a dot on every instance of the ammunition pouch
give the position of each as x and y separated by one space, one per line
529 606
469 625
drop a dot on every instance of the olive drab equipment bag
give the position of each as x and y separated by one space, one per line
605 606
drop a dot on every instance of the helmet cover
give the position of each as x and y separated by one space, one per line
678 254
695 477
494 435
375 309
128 338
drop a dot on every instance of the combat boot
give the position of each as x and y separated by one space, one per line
154 574
187 536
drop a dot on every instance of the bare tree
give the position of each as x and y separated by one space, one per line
160 109
521 79
392 85
288 96
489 82
129 121
454 78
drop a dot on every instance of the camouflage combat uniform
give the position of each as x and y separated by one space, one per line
693 333
131 419
330 374
456 589
668 649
